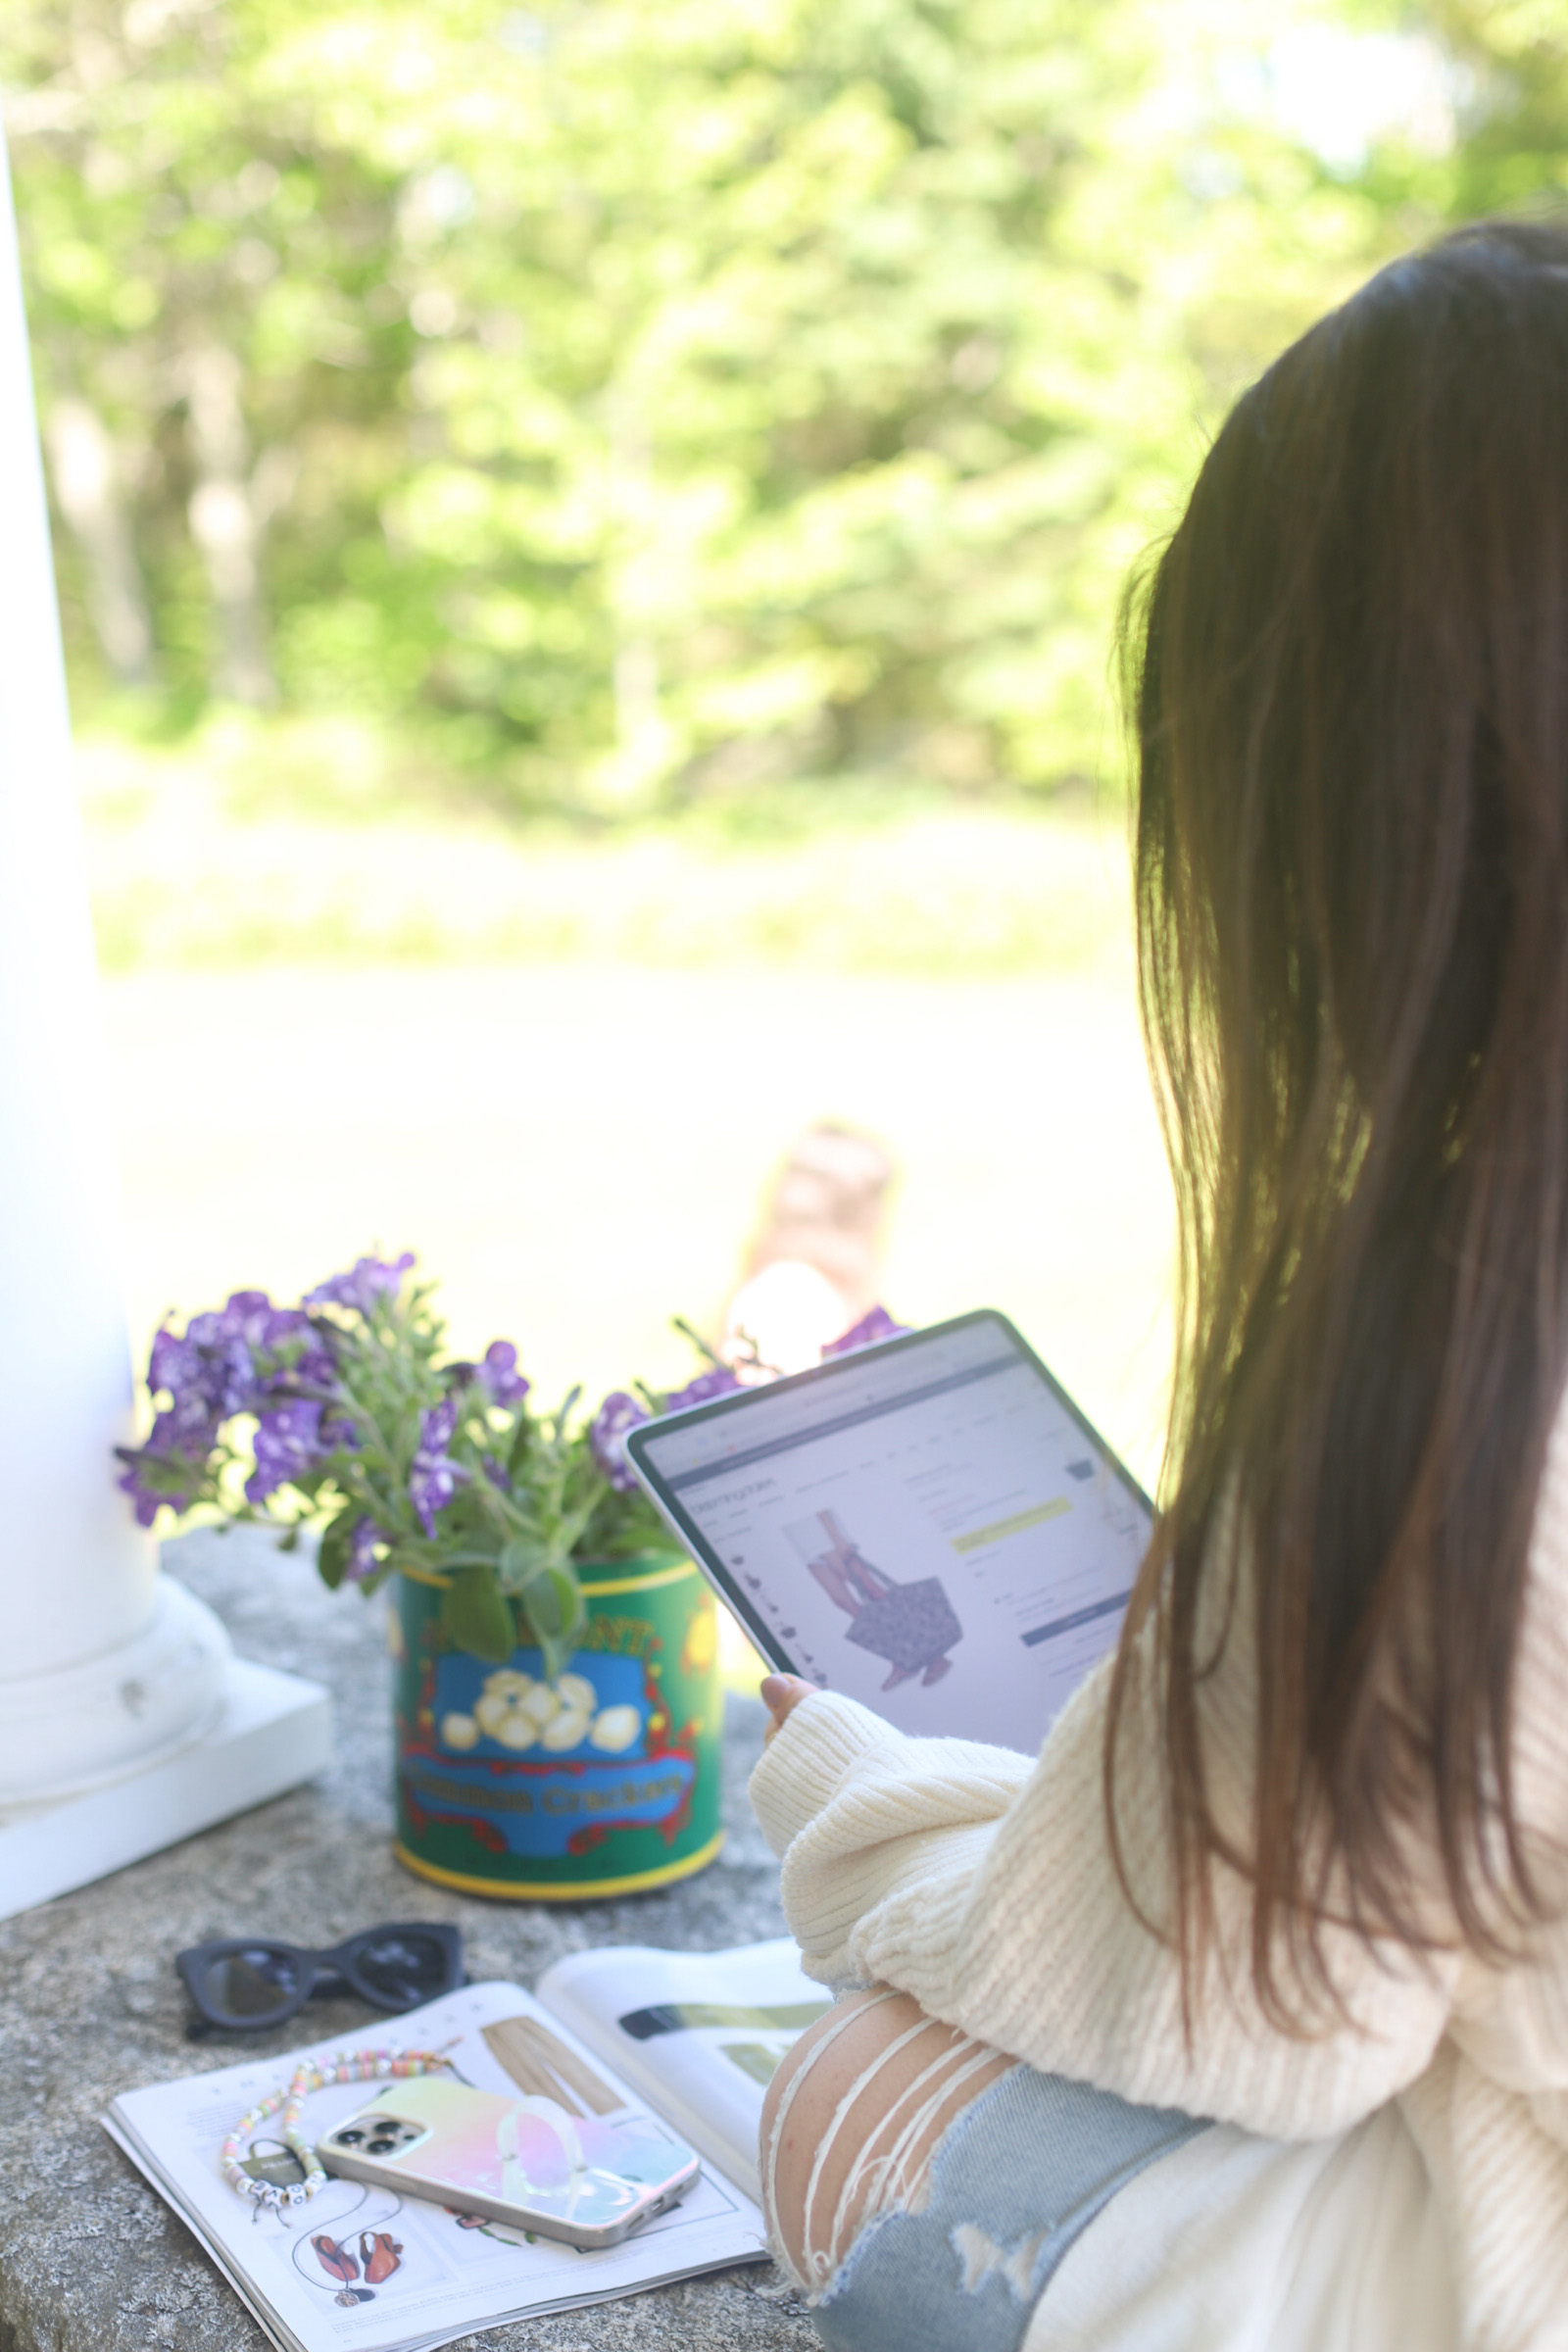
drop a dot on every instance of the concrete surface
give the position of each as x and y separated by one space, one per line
90 2259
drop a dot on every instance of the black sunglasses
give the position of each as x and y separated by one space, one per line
251 1981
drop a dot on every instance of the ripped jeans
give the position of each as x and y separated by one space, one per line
947 2246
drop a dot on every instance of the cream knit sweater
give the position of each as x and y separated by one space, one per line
982 1882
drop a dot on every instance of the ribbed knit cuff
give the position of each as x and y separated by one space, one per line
804 1765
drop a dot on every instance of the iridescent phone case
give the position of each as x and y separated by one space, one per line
527 2162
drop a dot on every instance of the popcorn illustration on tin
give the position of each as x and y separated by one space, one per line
524 1714
549 1770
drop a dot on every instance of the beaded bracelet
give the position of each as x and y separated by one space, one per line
349 2065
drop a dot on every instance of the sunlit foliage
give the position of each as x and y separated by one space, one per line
660 398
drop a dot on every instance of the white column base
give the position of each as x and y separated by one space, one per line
269 1731
79 1726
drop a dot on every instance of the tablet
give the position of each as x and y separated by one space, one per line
928 1524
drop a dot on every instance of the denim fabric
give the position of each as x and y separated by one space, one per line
1017 2178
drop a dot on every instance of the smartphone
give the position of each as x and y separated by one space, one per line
527 2162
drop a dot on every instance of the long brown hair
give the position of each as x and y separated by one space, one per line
1349 678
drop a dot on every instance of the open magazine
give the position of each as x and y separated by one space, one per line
688 2039
697 2033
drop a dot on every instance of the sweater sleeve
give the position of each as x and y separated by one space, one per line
986 1887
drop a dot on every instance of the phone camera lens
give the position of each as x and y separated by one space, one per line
351 2139
382 2147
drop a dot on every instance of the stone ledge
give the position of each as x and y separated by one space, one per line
90 2259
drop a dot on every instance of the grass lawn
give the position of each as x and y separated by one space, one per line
574 1133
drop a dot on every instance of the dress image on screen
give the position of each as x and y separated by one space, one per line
912 1626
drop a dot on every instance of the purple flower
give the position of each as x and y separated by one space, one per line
239 1358
367 1280
210 1364
246 1357
363 1542
878 1324
500 1375
497 1473
607 1432
149 1497
288 1446
437 1426
206 1375
175 1364
433 1477
497 1374
188 1426
430 1490
147 1502
296 1350
238 1324
717 1381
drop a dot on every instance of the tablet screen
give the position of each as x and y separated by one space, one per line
928 1525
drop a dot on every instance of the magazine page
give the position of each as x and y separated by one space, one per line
698 2034
364 2268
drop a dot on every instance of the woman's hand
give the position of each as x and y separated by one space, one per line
781 1694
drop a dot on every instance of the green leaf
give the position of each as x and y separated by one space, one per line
476 1616
554 1607
332 1560
557 1655
523 1559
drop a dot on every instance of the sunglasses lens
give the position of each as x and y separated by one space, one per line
255 1984
403 1968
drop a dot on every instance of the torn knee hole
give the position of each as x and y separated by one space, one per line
834 2174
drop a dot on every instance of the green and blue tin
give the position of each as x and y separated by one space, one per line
602 1783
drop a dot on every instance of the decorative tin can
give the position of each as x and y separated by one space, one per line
601 1783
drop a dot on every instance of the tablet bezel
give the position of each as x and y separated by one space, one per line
690 1537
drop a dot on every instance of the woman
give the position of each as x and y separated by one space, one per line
1240 2016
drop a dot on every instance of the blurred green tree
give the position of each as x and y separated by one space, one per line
210 352
664 399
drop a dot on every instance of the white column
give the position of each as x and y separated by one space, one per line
106 1668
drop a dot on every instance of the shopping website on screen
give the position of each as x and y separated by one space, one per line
928 1530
